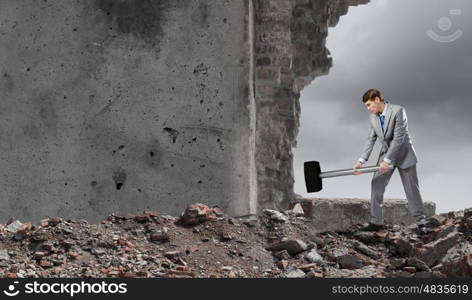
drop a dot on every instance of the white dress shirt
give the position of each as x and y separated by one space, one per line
388 161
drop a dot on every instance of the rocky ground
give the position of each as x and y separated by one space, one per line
203 242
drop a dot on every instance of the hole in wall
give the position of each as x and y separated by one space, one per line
412 70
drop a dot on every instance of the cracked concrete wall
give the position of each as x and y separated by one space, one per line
121 106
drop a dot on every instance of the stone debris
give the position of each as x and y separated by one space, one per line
198 213
401 247
436 220
366 250
297 210
417 264
396 263
444 231
205 243
458 261
14 226
295 274
282 264
291 246
345 259
314 257
4 254
433 252
275 215
282 255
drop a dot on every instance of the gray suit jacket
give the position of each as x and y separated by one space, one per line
396 142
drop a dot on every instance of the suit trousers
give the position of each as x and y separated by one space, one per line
410 183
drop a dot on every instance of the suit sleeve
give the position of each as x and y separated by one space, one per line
399 134
369 144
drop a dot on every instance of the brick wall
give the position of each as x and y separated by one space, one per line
289 53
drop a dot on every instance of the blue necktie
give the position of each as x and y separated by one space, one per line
382 121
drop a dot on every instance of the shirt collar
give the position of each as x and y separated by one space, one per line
385 109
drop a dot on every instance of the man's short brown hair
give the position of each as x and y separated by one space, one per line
371 95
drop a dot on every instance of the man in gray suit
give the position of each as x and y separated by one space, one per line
389 126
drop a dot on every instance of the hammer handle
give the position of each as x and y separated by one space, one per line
346 172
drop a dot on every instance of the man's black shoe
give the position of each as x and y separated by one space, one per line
423 230
372 227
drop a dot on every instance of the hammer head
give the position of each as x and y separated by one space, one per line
312 176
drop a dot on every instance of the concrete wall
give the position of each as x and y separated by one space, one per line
119 106
125 105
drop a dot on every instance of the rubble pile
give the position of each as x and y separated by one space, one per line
204 242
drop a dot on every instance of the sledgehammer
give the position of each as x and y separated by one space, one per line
314 176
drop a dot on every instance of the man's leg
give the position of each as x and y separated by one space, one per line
379 182
409 178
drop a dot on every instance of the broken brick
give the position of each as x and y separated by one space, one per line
197 213
409 269
171 254
159 237
282 264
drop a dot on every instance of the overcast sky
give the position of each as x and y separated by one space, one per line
384 45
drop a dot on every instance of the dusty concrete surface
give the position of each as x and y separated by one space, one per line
341 214
119 106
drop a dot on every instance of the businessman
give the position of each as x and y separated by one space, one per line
389 125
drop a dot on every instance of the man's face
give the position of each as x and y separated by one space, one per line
374 106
